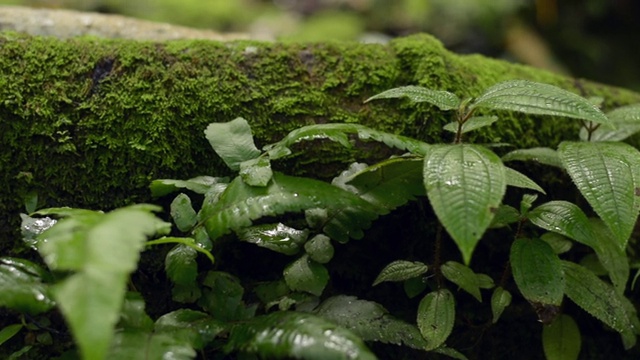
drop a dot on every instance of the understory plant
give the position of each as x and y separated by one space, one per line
557 251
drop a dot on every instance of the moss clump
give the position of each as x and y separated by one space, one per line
89 122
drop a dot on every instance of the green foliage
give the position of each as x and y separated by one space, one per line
91 255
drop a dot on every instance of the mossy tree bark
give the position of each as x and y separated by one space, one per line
88 122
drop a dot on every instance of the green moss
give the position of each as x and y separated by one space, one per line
93 121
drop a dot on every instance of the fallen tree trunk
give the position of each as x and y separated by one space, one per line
90 122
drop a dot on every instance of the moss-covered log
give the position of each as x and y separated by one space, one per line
89 122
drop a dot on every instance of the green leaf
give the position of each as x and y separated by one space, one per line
500 299
256 172
135 345
401 270
444 100
598 299
452 353
608 176
564 218
561 339
271 291
319 249
517 179
462 276
465 185
222 297
22 288
613 259
337 132
540 99
558 243
436 315
181 266
32 227
471 124
199 185
193 327
104 248
541 155
370 321
240 204
414 286
537 271
306 275
182 213
232 141
388 184
626 120
9 331
281 335
504 216
133 315
277 237
485 281
527 202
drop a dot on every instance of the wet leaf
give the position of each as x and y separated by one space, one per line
505 215
500 299
401 270
199 185
23 289
135 345
626 120
31 227
537 271
319 249
517 179
462 276
541 155
436 316
194 327
608 176
471 124
222 297
444 100
558 243
277 237
182 213
561 339
307 275
256 172
540 99
232 141
465 185
181 266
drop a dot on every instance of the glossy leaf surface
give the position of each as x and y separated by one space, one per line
240 204
517 179
626 120
277 237
22 287
319 249
401 270
182 213
540 99
561 339
598 299
608 176
232 141
256 172
370 321
307 275
222 297
462 276
471 124
500 299
541 155
194 327
199 185
135 345
285 335
465 185
436 316
444 100
537 271
181 266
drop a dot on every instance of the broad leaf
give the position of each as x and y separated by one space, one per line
222 297
401 270
194 327
527 202
182 213
542 155
436 315
414 286
181 266
240 204
232 141
444 100
462 276
105 249
613 259
598 299
537 271
608 176
9 331
277 237
133 315
256 172
370 321
199 185
561 339
500 299
504 216
306 275
452 353
136 345
560 244
388 184
541 99
471 124
465 185
319 249
22 287
337 132
517 179
31 227
626 120
281 335
564 218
